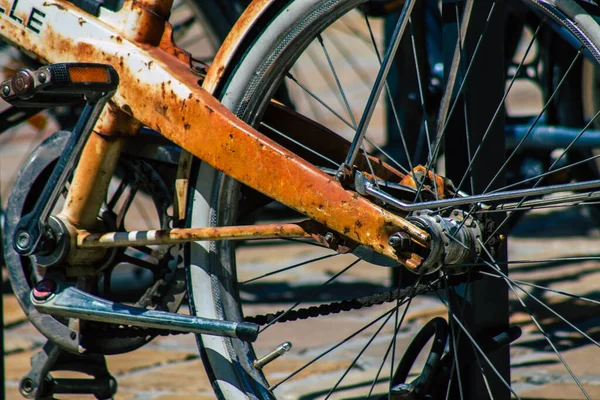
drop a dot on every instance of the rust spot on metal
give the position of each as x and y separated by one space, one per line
277 172
242 27
86 240
48 4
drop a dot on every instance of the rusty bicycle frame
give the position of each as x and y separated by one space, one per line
159 89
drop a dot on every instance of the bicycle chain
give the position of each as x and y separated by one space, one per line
303 313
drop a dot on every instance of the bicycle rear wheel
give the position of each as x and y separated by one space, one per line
232 281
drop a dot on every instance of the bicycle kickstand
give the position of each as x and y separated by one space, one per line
39 383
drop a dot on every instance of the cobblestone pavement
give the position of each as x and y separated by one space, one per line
169 368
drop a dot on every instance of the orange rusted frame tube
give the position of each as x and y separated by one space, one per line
173 236
90 181
162 92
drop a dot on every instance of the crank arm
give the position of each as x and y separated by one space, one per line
26 86
70 302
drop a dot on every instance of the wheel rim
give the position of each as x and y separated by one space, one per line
228 194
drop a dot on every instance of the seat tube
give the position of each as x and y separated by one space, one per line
96 167
147 21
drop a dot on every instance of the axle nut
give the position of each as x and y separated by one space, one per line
23 240
400 241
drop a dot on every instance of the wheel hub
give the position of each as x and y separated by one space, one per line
455 240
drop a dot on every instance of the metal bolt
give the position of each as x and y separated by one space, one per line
400 241
23 240
340 176
278 352
27 386
42 77
6 90
330 239
403 391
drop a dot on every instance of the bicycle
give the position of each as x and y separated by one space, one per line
252 69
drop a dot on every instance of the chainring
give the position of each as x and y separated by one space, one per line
167 288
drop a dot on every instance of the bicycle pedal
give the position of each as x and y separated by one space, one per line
70 302
58 84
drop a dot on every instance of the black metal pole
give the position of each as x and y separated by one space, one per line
2 375
482 305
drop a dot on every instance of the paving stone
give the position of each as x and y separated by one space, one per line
583 361
17 365
183 377
13 313
12 393
144 358
185 343
184 397
560 391
14 344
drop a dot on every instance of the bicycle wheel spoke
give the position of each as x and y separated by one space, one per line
389 348
334 347
317 114
379 82
537 324
536 286
371 170
539 181
329 160
392 107
477 347
544 305
425 120
549 172
500 106
353 31
465 114
337 82
364 348
315 244
396 324
393 161
446 111
347 54
314 96
455 338
288 268
429 109
331 84
535 122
